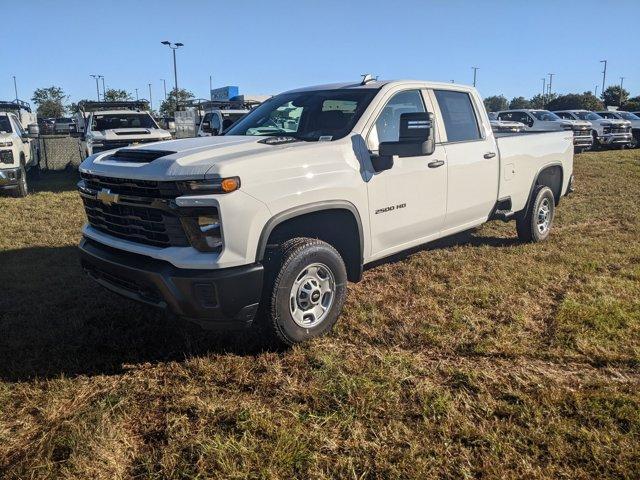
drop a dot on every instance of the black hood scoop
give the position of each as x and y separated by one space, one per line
138 155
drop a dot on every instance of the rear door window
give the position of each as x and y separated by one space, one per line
458 116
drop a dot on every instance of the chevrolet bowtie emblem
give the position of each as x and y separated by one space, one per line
106 197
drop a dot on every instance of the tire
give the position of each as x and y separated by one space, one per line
22 190
305 289
596 145
536 223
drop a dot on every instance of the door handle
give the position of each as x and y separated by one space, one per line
435 164
489 155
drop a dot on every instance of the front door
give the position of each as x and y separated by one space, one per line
406 202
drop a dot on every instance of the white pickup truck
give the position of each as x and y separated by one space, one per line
277 214
544 121
110 125
605 131
18 150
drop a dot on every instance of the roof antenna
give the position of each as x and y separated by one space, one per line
366 78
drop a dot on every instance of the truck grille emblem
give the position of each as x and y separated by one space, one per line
106 197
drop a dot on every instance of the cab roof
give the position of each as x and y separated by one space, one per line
375 85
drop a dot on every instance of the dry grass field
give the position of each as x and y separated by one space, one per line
478 357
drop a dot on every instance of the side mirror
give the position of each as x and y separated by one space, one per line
416 137
33 129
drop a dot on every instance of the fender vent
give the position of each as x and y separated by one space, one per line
138 155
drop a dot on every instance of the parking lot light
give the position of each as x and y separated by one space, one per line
174 47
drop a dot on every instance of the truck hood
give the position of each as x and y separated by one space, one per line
579 124
189 158
129 133
616 122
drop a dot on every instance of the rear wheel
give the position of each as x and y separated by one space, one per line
305 290
536 223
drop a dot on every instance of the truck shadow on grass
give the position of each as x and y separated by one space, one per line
55 321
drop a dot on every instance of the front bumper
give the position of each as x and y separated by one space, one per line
615 138
212 298
583 141
9 177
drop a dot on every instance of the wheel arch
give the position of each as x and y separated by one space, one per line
336 222
552 176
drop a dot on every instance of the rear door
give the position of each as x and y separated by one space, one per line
472 160
406 202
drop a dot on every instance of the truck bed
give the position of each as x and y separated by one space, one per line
523 155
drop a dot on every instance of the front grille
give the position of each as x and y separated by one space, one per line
582 133
620 130
6 156
138 188
136 223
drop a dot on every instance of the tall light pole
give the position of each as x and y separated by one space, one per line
550 81
104 92
15 86
164 82
150 99
621 81
604 74
544 91
174 47
97 79
596 92
137 94
210 88
475 71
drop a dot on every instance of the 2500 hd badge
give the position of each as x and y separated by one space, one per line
390 208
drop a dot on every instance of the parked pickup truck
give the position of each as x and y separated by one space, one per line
18 150
296 198
605 131
544 120
634 122
110 125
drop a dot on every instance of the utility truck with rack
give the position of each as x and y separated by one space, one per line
109 125
18 149
269 221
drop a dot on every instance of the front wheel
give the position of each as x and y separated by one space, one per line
306 289
535 224
22 190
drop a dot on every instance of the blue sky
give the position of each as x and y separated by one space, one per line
270 46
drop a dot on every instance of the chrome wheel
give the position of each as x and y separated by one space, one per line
544 216
312 295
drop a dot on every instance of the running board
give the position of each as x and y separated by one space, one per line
502 210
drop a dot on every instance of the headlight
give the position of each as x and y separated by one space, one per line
214 185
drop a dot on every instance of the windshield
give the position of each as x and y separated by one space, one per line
122 120
628 116
5 124
588 116
308 115
545 115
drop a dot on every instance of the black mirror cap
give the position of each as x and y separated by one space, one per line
416 136
381 162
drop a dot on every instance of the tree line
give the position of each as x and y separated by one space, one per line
52 102
612 96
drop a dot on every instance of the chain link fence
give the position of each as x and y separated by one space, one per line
58 152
